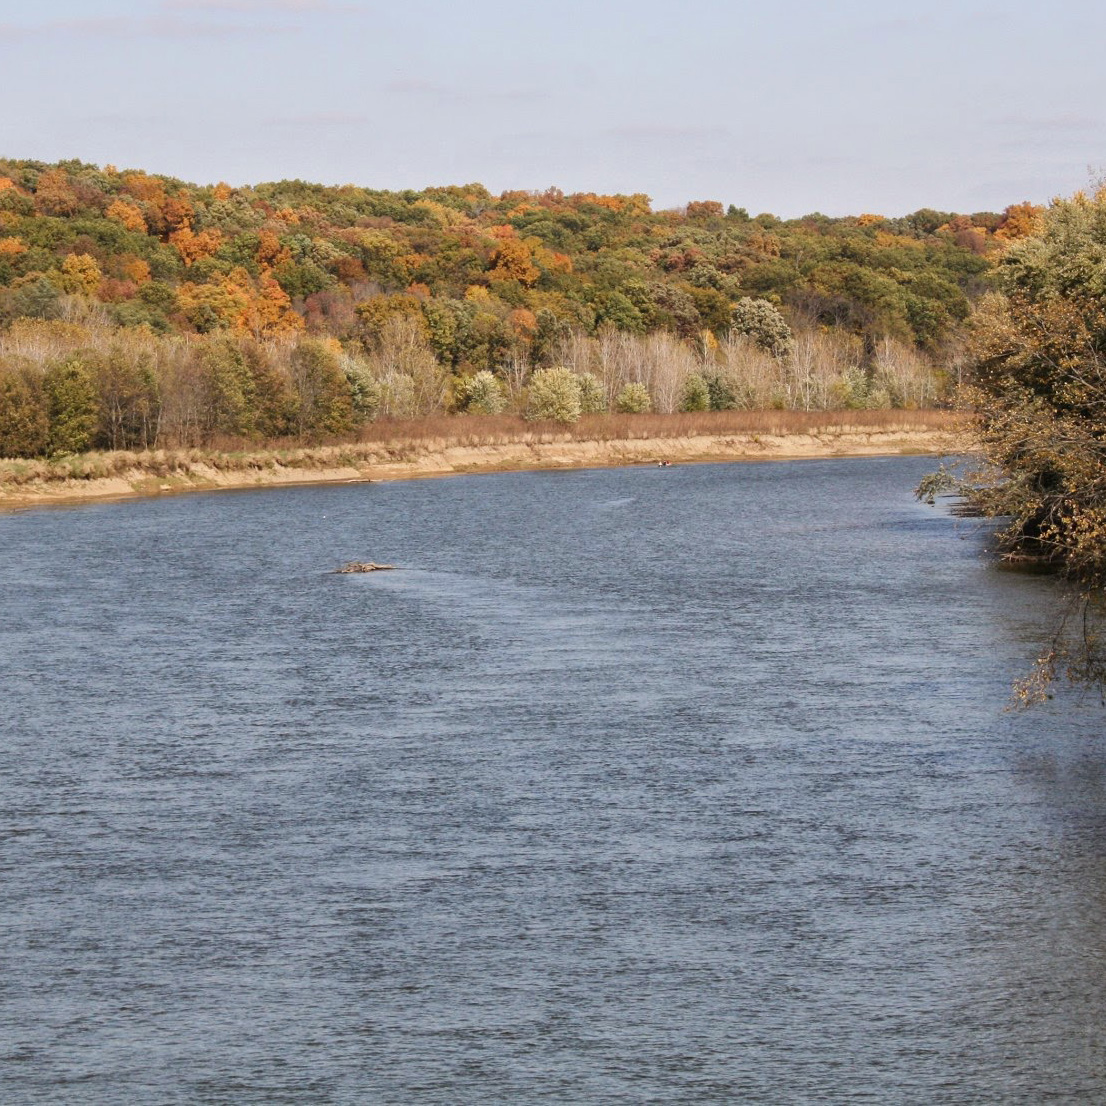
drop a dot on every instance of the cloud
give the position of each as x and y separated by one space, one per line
1069 122
123 27
660 133
259 7
454 94
186 19
322 119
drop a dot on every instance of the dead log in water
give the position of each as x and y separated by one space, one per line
363 566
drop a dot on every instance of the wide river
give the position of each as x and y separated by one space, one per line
642 785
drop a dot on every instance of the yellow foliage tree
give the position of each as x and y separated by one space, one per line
54 194
1020 221
127 215
552 262
138 271
215 306
80 273
144 187
513 261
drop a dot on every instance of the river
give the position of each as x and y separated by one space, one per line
631 785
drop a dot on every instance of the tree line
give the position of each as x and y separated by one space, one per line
67 387
165 312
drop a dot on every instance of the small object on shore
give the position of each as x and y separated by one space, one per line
363 566
664 464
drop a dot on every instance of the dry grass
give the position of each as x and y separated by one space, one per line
476 430
395 440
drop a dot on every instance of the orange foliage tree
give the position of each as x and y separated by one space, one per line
127 215
192 246
513 261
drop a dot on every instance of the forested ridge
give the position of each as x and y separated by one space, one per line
139 311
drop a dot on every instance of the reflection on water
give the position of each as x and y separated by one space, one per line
641 785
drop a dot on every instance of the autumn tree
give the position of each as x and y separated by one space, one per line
81 273
1020 221
129 397
54 194
127 215
24 423
513 261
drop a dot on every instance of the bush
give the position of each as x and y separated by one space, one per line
555 395
633 400
481 394
695 395
723 396
593 396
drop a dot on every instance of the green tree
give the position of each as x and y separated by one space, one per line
764 324
633 400
38 300
325 404
723 395
365 391
72 405
696 394
230 407
593 396
129 397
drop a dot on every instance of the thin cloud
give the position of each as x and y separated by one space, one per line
661 133
321 119
122 27
1049 124
456 94
186 19
259 7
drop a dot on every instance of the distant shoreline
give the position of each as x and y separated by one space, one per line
129 475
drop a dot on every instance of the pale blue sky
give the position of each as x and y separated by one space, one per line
788 107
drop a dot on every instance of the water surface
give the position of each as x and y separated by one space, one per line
640 785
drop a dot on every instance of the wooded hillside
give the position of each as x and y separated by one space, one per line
137 309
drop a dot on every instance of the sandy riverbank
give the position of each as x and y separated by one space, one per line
36 484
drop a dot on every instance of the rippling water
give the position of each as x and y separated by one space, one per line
640 785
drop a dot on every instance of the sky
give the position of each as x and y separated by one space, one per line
788 106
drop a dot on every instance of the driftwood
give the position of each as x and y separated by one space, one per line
363 566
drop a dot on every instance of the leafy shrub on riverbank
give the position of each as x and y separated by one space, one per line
553 396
